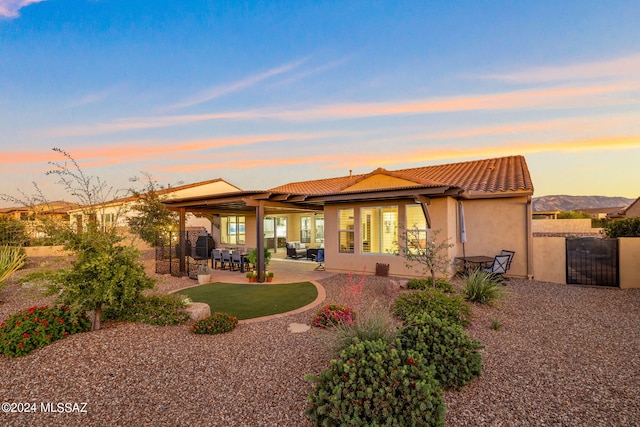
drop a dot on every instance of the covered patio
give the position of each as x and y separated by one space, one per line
256 206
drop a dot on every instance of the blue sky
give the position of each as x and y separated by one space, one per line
265 93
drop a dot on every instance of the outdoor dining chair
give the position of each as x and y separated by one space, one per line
511 254
216 257
226 259
236 261
499 265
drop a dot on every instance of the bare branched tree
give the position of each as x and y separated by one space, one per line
425 249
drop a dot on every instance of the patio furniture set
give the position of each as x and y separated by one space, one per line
232 260
498 264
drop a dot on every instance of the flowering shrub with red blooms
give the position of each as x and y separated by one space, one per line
36 327
217 323
334 314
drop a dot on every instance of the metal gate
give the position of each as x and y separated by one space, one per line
198 246
592 261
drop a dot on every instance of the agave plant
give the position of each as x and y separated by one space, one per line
12 258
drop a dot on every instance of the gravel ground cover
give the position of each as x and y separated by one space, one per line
564 356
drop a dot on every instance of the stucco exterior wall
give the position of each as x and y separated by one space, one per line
580 225
629 253
550 259
496 224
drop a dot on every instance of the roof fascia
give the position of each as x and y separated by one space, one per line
493 195
391 194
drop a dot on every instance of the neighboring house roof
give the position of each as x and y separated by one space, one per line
505 174
170 191
50 208
627 212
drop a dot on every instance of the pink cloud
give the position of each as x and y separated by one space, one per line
562 97
11 8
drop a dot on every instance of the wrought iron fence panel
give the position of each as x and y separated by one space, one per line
592 261
169 253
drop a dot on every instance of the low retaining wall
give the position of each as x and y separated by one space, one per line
42 251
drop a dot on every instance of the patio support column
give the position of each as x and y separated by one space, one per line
260 241
182 240
529 219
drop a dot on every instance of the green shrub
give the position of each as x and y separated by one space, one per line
436 302
160 310
36 327
482 287
444 345
426 282
333 314
376 324
373 384
629 227
217 323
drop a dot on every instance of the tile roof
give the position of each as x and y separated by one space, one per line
483 176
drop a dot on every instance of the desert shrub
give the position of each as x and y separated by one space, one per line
427 282
436 302
333 314
482 287
373 384
495 324
36 327
375 324
217 323
444 345
160 310
629 227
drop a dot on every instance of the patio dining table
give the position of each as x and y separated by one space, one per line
476 261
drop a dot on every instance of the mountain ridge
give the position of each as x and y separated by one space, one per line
564 202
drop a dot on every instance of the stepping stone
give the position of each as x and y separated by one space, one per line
296 328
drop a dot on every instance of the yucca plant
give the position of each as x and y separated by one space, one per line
12 258
482 287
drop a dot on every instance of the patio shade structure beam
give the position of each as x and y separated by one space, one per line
424 202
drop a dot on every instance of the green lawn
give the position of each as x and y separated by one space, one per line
249 301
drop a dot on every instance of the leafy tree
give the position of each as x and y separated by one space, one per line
629 227
153 219
573 215
425 250
104 272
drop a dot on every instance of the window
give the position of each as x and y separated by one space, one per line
319 235
305 229
232 229
379 229
416 228
346 231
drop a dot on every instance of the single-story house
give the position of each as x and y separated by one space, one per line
358 219
57 210
117 212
